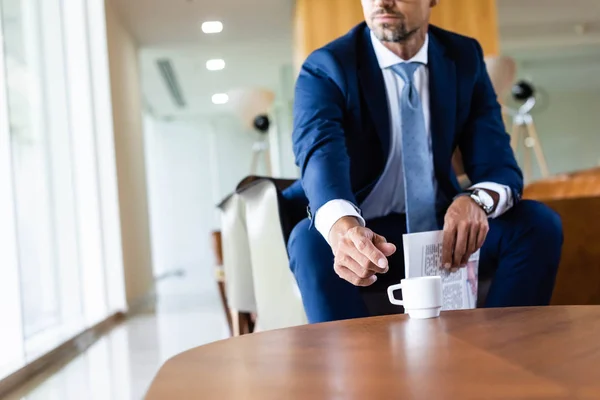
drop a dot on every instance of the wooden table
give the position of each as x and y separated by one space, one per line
518 353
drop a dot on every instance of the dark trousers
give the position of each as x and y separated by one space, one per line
521 253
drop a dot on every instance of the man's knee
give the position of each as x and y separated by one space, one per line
302 237
308 250
544 222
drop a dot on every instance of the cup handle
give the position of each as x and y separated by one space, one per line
393 299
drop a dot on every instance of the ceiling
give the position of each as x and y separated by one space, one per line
255 44
257 39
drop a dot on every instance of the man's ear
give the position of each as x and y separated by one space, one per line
433 3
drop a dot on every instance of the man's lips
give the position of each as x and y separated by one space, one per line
386 17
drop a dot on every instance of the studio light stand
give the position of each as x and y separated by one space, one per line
260 149
524 131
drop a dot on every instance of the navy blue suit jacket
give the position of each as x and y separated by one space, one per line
342 127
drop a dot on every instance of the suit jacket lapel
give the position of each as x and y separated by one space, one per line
443 97
373 88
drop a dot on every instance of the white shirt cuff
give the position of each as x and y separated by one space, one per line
505 201
331 212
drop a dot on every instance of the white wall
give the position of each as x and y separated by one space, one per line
233 146
179 190
285 156
570 130
284 117
568 117
192 164
129 151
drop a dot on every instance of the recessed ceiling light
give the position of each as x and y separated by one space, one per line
220 98
212 27
215 65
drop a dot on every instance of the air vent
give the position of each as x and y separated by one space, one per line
168 73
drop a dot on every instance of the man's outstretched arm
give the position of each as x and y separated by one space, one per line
320 149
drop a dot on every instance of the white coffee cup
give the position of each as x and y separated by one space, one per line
421 297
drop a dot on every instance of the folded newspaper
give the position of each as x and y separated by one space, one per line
423 257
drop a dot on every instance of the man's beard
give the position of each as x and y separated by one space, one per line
394 33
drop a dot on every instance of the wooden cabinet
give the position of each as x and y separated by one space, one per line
474 18
318 22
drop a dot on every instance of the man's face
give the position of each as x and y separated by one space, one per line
396 20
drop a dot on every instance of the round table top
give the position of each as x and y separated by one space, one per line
510 353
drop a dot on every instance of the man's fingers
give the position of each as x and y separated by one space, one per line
364 261
472 245
365 245
388 249
482 235
460 248
377 239
448 245
351 277
357 263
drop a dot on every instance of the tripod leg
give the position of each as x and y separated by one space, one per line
537 148
514 136
254 163
526 163
268 165
517 141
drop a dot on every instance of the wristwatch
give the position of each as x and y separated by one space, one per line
481 198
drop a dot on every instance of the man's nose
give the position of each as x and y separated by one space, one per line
384 3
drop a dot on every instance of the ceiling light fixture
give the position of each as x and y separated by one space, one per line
212 27
220 98
215 65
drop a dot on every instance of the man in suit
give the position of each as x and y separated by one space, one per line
378 115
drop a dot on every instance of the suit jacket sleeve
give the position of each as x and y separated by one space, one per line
318 137
485 145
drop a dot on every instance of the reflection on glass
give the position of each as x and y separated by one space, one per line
30 166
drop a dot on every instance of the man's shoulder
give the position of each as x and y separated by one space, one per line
349 41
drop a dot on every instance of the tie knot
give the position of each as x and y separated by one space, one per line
406 70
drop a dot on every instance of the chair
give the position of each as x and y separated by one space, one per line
217 247
269 222
576 198
237 266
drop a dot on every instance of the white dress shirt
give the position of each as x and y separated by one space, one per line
333 210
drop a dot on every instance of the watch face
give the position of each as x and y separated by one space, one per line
486 199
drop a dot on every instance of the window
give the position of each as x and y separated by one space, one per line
30 162
58 199
11 334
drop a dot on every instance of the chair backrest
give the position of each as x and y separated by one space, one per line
236 255
578 184
576 198
278 300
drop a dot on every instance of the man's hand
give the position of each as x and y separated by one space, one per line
359 252
465 229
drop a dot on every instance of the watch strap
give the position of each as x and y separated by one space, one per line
472 194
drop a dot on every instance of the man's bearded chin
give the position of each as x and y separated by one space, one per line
394 33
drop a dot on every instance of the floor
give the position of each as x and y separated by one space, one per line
121 365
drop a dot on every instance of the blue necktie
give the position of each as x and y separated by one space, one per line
418 169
